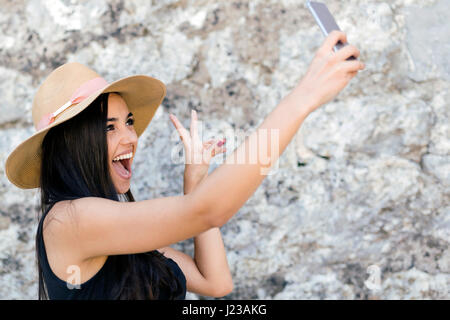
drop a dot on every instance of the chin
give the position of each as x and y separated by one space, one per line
122 188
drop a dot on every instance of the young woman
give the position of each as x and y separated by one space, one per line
92 234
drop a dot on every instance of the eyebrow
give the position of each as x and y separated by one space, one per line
115 119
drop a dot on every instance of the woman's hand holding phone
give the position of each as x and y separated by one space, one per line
329 72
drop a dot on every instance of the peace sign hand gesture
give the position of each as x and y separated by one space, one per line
198 153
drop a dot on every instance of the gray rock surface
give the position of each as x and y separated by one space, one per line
364 185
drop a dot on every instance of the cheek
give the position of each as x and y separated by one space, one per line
110 148
134 133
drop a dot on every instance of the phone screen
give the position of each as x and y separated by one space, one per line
326 22
323 17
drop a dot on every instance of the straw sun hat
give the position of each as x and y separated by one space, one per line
67 91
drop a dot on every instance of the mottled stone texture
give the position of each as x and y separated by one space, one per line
365 182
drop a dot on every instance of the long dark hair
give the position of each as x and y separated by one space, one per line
74 164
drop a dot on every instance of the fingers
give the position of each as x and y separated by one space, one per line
208 143
216 148
331 40
194 119
342 54
346 52
212 146
221 142
351 66
220 146
184 134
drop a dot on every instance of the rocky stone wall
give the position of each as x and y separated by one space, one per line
359 198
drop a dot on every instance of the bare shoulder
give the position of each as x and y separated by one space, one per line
64 214
56 213
61 250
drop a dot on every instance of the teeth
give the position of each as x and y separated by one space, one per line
124 156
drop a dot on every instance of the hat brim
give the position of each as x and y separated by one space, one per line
142 94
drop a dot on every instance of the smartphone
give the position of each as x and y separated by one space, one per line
326 22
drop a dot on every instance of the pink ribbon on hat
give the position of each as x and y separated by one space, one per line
83 91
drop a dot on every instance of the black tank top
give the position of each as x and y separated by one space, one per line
98 286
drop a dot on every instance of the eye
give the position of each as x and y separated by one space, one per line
111 126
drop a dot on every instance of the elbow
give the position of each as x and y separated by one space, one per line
213 220
219 216
217 221
223 290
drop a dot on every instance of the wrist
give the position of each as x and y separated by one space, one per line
192 177
195 172
190 184
302 100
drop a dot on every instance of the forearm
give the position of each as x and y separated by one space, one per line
209 251
230 185
211 259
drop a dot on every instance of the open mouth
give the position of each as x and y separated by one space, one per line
123 168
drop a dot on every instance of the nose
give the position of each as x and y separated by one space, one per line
128 137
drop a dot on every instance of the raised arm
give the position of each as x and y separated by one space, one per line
232 184
91 227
